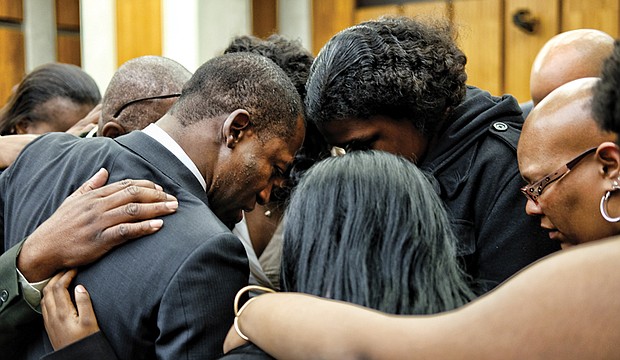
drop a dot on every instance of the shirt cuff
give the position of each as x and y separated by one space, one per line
31 291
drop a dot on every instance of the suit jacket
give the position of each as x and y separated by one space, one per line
168 295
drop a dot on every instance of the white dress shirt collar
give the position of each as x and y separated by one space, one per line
162 137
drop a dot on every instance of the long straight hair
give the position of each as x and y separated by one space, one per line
368 228
47 82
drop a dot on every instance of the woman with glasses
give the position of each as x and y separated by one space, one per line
563 307
570 167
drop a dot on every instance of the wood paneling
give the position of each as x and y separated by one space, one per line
480 28
69 49
264 17
433 9
68 14
138 28
521 47
591 14
328 18
375 12
11 10
11 60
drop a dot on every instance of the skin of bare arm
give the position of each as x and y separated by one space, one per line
562 307
87 123
11 146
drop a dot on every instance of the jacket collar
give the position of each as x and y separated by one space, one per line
157 155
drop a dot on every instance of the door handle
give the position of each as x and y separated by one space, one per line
523 19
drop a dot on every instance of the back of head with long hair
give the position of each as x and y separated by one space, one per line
367 228
47 82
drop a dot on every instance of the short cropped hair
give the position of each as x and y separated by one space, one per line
295 60
288 54
396 67
242 81
606 97
368 228
47 82
138 78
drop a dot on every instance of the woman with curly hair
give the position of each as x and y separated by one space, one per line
398 85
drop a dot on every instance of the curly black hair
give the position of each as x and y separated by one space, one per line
606 102
397 67
288 54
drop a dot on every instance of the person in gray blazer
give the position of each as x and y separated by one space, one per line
219 150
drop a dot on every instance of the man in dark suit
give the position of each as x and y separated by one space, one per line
141 91
220 149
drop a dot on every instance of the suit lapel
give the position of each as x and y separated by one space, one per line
157 155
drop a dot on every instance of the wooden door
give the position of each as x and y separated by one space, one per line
138 28
328 18
430 8
374 12
68 32
591 14
264 18
480 27
11 46
521 47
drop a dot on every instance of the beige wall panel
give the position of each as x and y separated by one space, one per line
434 9
479 24
68 14
69 49
374 12
11 61
264 17
592 14
138 28
521 47
328 18
12 10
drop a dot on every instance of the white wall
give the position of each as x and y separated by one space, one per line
98 36
180 32
194 31
39 32
294 20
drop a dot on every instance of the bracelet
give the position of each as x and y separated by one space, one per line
239 311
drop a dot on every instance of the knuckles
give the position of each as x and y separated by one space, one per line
132 209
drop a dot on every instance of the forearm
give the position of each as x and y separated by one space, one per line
34 261
11 146
298 326
564 307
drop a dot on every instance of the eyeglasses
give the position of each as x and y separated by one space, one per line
118 112
534 190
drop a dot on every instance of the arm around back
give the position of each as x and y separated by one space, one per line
563 307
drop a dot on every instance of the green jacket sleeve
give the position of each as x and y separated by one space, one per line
16 315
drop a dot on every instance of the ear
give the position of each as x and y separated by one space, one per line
22 126
235 127
112 129
608 154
